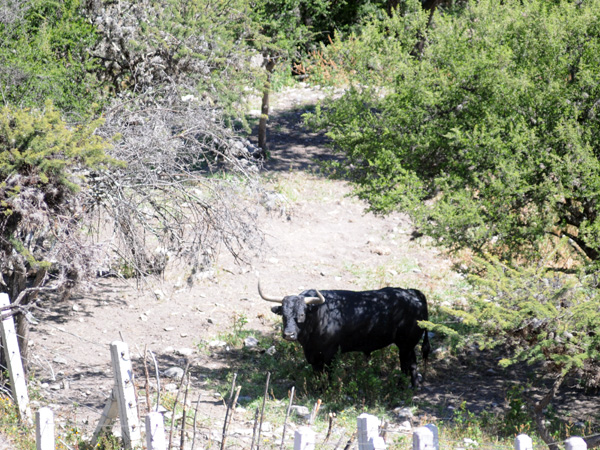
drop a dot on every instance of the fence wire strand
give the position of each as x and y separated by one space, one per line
237 438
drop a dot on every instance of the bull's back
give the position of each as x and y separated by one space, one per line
369 320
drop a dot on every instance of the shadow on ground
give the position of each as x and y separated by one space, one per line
292 146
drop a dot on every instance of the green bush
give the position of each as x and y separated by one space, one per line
43 170
372 54
489 138
39 146
46 56
540 316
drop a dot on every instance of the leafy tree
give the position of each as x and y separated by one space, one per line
542 318
372 55
43 168
280 32
490 140
45 55
288 30
197 45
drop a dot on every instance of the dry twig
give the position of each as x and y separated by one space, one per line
287 415
262 411
187 388
176 402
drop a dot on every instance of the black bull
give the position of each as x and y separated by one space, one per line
325 322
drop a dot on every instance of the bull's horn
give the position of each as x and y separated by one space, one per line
315 300
269 299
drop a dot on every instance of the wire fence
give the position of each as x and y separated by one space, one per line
78 411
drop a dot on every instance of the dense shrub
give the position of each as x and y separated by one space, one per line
45 55
44 166
489 138
541 318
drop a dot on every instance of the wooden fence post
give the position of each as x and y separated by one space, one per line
377 443
44 429
125 390
575 443
523 442
426 438
155 432
304 439
368 433
16 373
108 417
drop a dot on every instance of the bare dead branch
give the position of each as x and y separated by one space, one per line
186 188
287 415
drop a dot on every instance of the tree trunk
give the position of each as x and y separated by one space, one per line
264 109
538 412
23 339
422 40
19 289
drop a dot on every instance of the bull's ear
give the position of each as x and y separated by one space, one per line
277 310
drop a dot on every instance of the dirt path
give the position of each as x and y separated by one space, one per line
316 237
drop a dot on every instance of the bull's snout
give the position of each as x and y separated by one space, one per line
289 336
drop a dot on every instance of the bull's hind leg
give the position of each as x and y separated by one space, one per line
408 364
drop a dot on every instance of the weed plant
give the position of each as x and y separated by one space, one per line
20 436
357 384
353 379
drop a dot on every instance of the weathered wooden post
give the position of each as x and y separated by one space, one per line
377 443
575 443
18 383
155 432
523 442
125 390
304 439
368 433
108 417
44 429
426 438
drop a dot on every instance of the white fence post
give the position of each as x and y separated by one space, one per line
304 439
575 443
368 432
44 429
130 426
108 417
426 438
16 373
377 443
155 432
523 442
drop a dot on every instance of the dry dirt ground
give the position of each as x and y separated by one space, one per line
316 236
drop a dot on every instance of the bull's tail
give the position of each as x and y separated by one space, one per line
425 350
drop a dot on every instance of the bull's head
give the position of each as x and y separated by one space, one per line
293 310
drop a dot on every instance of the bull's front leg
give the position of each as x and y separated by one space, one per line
316 360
